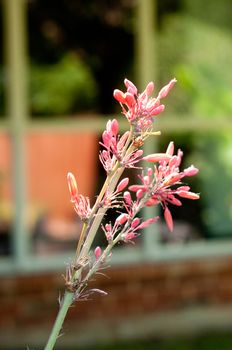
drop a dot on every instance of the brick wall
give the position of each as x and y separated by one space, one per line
142 300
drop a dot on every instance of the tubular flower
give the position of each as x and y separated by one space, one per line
81 203
139 109
163 184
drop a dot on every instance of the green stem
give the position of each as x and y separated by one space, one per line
66 303
82 251
101 212
98 218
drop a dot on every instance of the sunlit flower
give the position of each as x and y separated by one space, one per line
163 184
140 109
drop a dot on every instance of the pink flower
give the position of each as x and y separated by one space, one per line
97 252
114 149
135 225
140 109
72 185
165 90
162 185
122 184
147 223
157 157
82 207
80 202
121 219
168 218
127 198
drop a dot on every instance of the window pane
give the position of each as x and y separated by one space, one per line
51 155
211 216
74 66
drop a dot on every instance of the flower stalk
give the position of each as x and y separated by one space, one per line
161 184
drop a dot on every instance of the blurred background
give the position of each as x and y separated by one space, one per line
59 64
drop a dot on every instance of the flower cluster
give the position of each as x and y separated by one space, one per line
114 148
160 184
126 227
163 184
140 109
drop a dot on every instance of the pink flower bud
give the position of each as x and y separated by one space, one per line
106 138
72 185
176 201
149 88
157 157
123 140
130 86
171 179
108 227
170 149
151 202
97 252
121 219
165 90
146 180
135 188
135 222
147 223
187 194
149 171
130 100
179 156
119 96
137 154
112 127
157 110
122 184
108 127
139 194
191 171
127 197
168 218
129 236
183 188
174 162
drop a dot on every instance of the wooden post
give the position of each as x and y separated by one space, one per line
17 110
145 72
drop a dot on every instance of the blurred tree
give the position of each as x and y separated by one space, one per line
100 34
64 87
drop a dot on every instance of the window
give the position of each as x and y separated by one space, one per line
39 145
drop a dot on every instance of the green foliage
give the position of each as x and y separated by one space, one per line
200 54
65 87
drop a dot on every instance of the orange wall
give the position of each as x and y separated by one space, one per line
49 156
